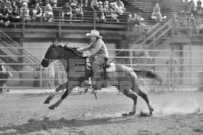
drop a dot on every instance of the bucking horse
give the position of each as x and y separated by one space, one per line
124 78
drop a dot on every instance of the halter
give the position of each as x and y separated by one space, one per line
45 59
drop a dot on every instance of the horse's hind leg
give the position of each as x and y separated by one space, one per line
133 96
138 91
144 96
51 96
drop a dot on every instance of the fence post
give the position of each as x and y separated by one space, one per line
172 66
131 58
94 20
23 22
40 76
60 14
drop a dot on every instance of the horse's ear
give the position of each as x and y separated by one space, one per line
51 43
66 43
54 44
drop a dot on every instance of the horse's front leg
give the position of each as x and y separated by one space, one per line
56 104
51 96
68 90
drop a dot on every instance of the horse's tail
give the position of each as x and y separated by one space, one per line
148 74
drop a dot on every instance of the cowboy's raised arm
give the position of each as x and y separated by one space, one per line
86 47
97 48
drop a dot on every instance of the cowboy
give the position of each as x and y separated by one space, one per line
97 53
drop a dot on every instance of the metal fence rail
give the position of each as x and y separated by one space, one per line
178 68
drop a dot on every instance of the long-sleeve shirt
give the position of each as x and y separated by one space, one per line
97 48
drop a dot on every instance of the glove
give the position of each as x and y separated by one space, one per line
79 49
86 54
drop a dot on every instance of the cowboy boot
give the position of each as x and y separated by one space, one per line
97 84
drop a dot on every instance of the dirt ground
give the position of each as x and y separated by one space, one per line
176 113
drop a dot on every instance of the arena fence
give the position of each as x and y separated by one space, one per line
180 69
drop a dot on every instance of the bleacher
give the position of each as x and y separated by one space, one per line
145 8
78 26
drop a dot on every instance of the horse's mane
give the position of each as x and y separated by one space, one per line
74 50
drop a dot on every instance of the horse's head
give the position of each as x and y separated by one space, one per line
50 55
58 52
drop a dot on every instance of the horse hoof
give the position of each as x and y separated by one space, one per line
144 113
128 114
151 111
46 102
51 107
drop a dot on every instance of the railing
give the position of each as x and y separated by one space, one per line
59 23
176 76
152 35
17 49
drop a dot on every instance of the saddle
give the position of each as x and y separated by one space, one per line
105 66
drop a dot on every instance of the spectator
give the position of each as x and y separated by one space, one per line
73 4
67 11
100 15
100 6
106 8
192 5
1 5
199 4
24 12
120 6
48 13
189 8
114 11
137 25
85 3
5 17
157 13
130 20
199 14
95 5
37 13
32 3
136 20
79 11
7 4
186 6
96 9
175 23
53 3
15 14
22 1
17 3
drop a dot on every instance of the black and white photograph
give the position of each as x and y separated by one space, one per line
101 67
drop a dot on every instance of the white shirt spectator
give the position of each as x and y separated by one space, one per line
48 13
24 12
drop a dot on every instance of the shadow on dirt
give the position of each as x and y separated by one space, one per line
38 125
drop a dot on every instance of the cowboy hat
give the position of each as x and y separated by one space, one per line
24 4
94 33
